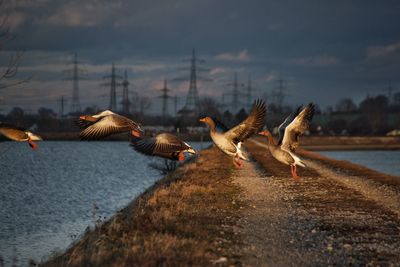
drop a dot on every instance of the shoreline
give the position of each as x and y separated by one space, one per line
208 213
313 143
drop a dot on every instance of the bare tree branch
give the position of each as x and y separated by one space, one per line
11 69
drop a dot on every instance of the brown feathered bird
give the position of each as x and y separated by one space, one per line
19 134
164 145
106 123
294 125
231 140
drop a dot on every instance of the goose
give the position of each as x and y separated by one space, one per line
163 145
231 140
289 131
19 134
106 123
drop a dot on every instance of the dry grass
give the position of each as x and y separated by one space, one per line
185 219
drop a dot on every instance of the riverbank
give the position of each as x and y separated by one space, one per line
314 143
187 218
209 213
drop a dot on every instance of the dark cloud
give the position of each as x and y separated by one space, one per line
325 49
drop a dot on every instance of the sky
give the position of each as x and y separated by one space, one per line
324 50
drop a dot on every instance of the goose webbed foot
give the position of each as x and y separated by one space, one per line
181 157
237 162
293 170
32 144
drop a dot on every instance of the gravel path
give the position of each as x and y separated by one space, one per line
328 218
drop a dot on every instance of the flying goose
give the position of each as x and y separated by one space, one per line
289 131
106 123
163 145
231 140
19 134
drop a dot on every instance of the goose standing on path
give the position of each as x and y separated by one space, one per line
19 134
106 123
289 131
163 145
230 141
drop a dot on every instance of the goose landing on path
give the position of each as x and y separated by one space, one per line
106 123
19 134
164 145
289 131
230 141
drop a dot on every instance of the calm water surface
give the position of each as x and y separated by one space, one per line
47 197
386 161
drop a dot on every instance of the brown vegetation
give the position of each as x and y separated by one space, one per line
185 219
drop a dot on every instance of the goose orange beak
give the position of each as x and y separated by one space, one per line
263 133
135 133
202 120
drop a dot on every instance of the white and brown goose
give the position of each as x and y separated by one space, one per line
163 145
230 141
19 134
294 125
106 123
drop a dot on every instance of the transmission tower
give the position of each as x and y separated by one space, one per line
235 93
113 83
389 90
165 96
279 93
62 105
249 92
175 105
192 98
125 95
75 76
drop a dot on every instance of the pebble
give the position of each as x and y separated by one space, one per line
220 260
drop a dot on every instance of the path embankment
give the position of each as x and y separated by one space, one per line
187 218
209 213
338 214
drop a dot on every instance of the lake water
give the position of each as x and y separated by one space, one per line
47 198
386 161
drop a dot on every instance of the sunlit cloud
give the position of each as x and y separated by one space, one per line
316 61
240 56
383 51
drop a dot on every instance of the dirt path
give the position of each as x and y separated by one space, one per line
329 218
266 223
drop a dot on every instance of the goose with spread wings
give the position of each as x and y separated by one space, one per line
231 140
19 134
294 125
106 123
163 145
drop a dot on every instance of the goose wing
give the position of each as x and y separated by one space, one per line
12 132
108 125
298 126
286 122
160 145
83 124
250 125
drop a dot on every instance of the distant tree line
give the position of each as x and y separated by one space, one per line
374 115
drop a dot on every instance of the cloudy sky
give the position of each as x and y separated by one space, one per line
324 50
